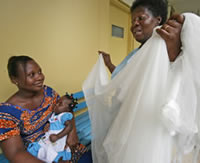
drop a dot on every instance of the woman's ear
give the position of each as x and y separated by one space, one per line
14 81
159 19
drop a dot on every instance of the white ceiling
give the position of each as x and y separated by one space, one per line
180 6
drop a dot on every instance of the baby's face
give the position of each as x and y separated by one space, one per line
62 105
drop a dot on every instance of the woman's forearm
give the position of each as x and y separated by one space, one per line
14 150
111 67
24 156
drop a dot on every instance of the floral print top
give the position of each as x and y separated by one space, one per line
15 120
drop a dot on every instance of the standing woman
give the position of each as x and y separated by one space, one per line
145 16
127 128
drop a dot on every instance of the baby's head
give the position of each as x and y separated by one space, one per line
65 104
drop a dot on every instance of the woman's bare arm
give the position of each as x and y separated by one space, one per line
107 61
13 149
72 138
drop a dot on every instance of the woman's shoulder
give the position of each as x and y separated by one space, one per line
50 95
9 103
50 91
7 109
6 105
9 120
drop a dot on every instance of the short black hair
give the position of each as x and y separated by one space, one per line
13 64
73 103
157 7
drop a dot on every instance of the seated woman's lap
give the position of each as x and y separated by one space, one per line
86 157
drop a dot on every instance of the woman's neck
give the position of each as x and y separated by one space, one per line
27 99
28 94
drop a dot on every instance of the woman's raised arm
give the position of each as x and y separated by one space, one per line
170 32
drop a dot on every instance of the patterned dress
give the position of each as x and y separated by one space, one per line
15 120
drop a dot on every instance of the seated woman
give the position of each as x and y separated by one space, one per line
25 114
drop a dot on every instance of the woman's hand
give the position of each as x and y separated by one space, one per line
67 161
106 57
170 32
72 138
107 60
63 161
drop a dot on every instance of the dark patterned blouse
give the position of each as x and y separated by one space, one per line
15 120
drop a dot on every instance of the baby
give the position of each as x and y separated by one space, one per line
53 146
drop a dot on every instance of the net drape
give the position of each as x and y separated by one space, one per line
150 108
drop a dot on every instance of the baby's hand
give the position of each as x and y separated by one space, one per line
53 138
